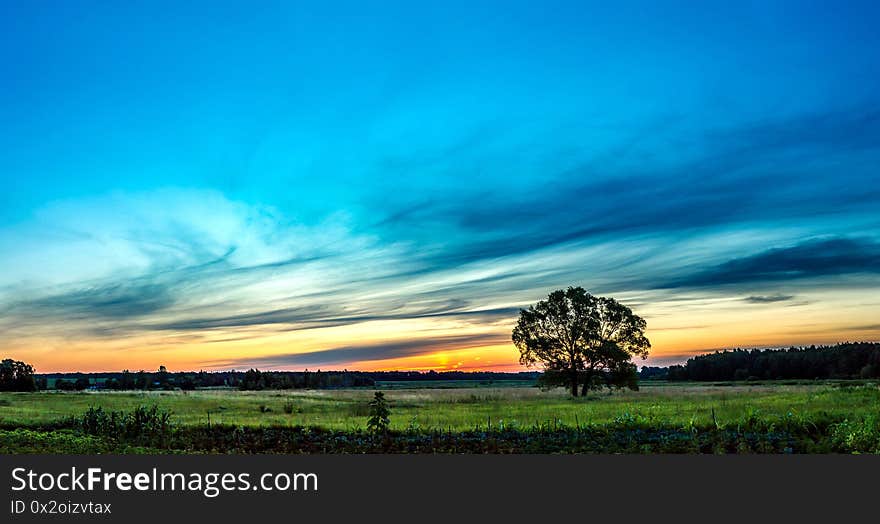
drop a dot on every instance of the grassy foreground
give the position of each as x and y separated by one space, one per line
678 418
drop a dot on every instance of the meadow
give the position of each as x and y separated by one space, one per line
455 407
660 417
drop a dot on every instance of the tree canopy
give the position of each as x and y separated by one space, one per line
581 340
16 376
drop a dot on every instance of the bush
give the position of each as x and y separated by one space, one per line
289 408
859 436
143 425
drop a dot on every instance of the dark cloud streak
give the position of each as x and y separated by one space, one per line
372 352
768 299
815 258
112 301
296 319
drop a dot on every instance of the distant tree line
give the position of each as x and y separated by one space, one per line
850 360
255 379
164 380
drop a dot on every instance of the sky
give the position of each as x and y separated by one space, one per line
225 185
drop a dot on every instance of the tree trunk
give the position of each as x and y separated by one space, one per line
574 383
587 380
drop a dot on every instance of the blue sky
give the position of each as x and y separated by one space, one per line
293 185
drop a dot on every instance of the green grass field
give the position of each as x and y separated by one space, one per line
661 417
460 408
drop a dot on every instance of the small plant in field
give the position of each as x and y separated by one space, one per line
691 425
264 408
717 425
289 408
379 413
627 420
752 421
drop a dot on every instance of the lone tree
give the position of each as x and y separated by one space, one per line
581 339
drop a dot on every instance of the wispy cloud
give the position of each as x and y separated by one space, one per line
370 352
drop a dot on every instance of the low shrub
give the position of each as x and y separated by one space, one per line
143 425
857 436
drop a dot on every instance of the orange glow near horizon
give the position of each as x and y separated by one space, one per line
669 346
444 344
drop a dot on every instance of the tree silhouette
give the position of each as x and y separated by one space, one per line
581 339
16 376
